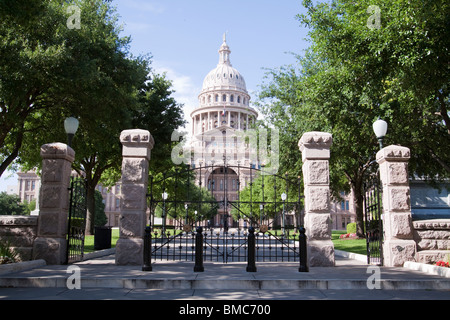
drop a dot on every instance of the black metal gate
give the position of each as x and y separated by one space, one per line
227 247
372 219
77 220
212 197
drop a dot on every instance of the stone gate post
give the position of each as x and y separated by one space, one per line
137 146
315 148
398 245
50 243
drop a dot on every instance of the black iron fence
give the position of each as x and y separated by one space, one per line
77 220
372 219
213 197
233 246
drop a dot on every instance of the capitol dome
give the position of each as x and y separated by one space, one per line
224 76
223 101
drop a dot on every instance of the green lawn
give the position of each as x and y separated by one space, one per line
89 241
349 245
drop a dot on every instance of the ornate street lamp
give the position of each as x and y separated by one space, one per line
380 128
283 197
195 213
164 196
71 126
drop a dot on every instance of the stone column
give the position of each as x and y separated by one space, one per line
315 148
398 245
51 243
137 145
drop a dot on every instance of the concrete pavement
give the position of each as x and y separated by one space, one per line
101 279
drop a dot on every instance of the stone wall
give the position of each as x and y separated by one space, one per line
20 232
433 240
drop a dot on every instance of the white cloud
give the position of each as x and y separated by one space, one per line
186 92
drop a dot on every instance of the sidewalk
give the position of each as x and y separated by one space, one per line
101 279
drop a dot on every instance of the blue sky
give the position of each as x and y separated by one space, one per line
184 36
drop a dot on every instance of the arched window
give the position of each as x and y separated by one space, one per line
232 98
217 98
224 98
239 99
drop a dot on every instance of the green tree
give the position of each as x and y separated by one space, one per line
179 184
11 205
86 72
353 74
266 190
99 82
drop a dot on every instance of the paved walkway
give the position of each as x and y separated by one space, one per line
102 279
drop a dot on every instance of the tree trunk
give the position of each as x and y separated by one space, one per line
90 216
359 207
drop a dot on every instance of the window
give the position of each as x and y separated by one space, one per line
217 98
239 99
224 97
232 98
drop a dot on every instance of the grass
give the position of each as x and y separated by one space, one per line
89 241
349 245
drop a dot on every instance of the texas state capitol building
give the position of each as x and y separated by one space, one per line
218 125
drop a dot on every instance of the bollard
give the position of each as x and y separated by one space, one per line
147 250
303 254
251 266
199 251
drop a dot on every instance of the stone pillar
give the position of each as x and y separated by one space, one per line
315 148
51 243
137 145
398 245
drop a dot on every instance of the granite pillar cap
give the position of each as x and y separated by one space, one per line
393 153
57 150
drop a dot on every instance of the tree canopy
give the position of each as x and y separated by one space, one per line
387 59
53 67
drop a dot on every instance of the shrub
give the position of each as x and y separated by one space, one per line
7 254
351 227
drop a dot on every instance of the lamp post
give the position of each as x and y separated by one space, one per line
164 196
71 126
195 212
261 208
283 197
380 129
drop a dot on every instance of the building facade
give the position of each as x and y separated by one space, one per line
219 127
